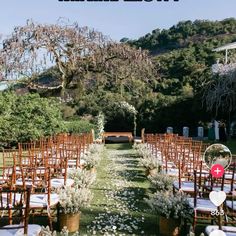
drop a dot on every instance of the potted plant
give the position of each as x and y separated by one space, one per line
151 163
172 209
91 161
82 177
71 200
161 182
92 158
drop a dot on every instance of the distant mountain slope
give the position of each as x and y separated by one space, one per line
183 53
187 33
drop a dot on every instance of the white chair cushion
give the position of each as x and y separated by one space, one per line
40 200
57 183
172 172
231 205
229 176
226 189
4 232
204 205
229 230
33 230
185 186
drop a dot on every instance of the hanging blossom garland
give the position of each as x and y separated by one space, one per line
131 109
100 124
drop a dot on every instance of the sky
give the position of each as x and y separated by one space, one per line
115 19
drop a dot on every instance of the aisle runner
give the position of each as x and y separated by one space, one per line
120 200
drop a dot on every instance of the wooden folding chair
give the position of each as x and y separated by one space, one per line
14 208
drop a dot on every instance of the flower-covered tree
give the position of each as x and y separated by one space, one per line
75 53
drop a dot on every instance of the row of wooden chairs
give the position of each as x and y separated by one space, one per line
43 166
183 158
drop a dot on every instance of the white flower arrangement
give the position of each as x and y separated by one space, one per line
93 156
170 206
82 178
128 107
147 159
96 148
131 109
100 124
142 149
150 162
91 160
72 199
161 182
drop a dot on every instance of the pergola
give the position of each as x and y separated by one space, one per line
225 48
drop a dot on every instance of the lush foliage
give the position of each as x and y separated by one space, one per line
79 126
186 33
28 117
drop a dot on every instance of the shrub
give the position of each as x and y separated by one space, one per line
79 126
28 117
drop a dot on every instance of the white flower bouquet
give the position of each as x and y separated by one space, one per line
82 178
93 156
72 199
96 148
91 160
162 182
170 206
150 163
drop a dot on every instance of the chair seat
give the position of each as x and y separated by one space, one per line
204 205
228 230
226 189
229 176
204 173
171 164
187 186
231 205
40 200
33 230
28 182
172 172
58 183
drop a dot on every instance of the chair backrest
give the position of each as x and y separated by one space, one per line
14 208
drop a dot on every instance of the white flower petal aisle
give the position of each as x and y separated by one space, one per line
121 186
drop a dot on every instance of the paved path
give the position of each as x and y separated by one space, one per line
118 207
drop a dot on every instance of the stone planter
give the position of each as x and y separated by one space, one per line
169 227
71 221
